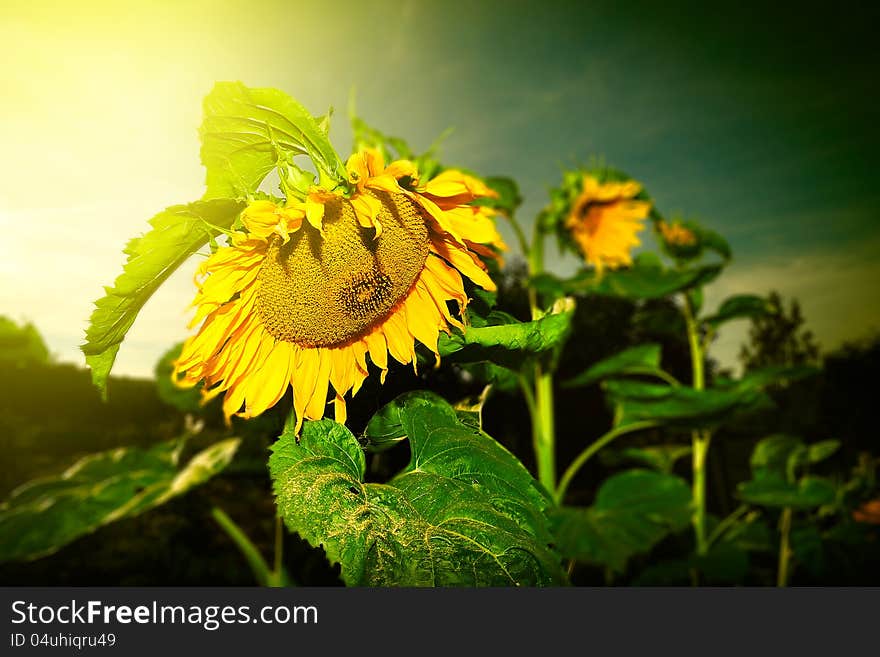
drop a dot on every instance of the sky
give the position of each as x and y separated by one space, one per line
760 123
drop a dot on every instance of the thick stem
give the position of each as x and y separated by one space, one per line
700 449
784 547
699 439
520 235
545 449
543 429
255 560
279 544
591 449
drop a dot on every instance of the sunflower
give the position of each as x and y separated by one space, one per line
675 234
308 290
604 220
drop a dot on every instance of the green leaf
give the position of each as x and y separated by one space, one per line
509 198
751 535
21 346
696 297
177 233
738 307
646 279
820 451
464 512
641 359
769 376
709 239
246 132
776 491
44 515
509 344
633 511
772 456
680 406
188 400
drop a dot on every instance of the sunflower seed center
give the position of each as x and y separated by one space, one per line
320 292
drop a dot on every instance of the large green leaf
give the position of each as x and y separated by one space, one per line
46 514
681 406
176 234
647 278
641 359
738 307
633 511
463 512
508 344
246 132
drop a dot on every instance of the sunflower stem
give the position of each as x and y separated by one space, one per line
262 573
545 442
543 427
784 547
699 438
591 449
520 235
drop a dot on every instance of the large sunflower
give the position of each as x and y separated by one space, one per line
605 219
309 289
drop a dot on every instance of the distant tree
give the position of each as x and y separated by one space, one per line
779 337
21 346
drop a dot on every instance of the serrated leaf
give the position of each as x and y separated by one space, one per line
680 406
738 307
248 131
641 359
633 511
44 515
509 344
176 234
464 511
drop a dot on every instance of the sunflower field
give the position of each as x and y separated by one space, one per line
377 390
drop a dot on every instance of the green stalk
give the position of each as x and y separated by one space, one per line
699 439
543 429
591 449
545 444
784 547
279 545
259 567
700 449
726 524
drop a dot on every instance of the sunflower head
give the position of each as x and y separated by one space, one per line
599 214
313 293
681 240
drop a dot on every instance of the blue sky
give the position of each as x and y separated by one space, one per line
762 124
